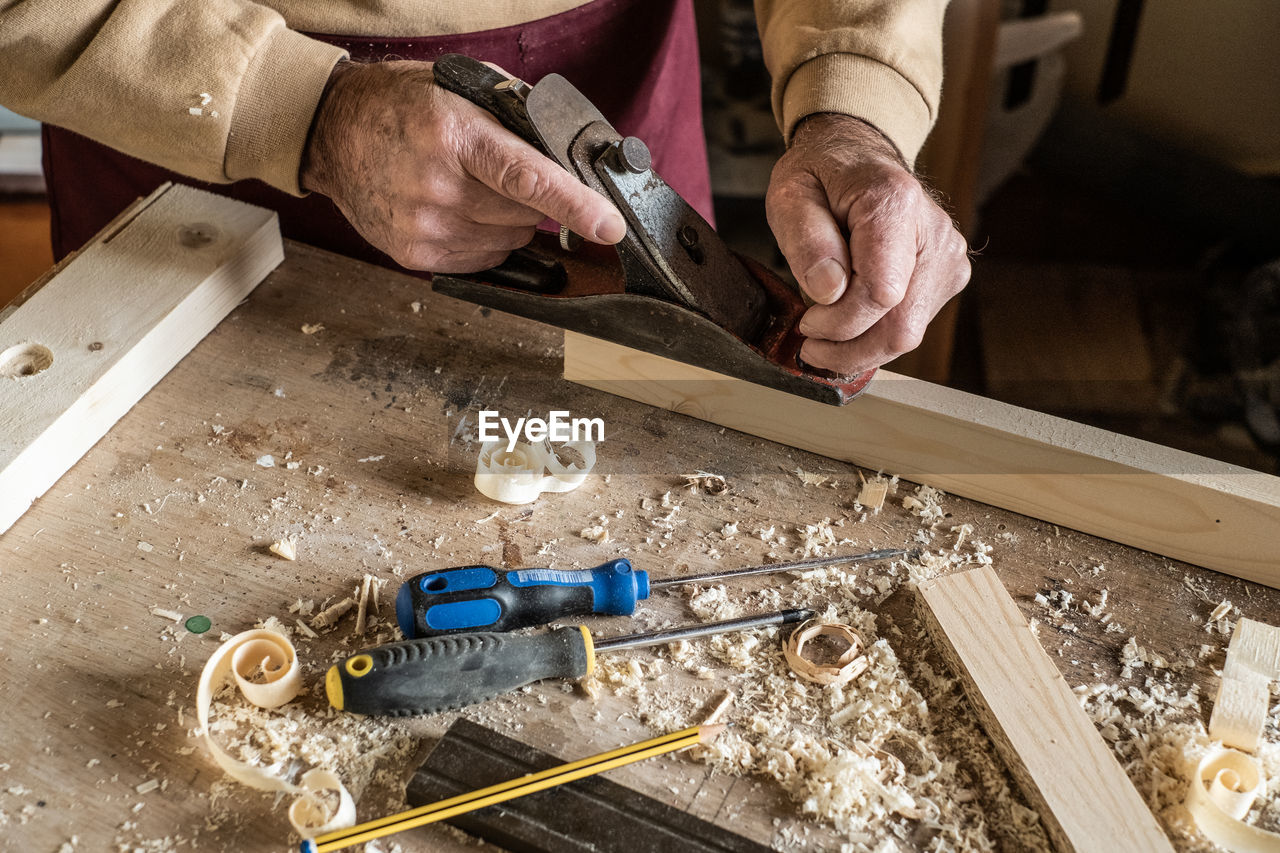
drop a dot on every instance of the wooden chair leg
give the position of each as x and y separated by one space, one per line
952 156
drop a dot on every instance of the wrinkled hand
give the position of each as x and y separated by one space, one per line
866 242
433 180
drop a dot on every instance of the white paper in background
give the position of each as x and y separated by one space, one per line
20 154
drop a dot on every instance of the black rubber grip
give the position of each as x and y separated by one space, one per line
443 673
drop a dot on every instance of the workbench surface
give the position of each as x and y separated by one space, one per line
173 511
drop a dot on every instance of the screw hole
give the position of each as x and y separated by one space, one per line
23 360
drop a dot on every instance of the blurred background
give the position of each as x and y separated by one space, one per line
1114 163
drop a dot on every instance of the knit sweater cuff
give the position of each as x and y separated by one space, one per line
857 86
278 97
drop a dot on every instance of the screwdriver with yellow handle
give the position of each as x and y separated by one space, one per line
426 676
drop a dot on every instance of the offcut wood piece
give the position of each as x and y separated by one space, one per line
1061 763
80 347
1244 695
1177 504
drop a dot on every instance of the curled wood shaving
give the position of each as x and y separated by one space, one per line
1253 662
1234 780
264 666
330 615
851 663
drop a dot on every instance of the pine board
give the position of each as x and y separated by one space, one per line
1061 763
1172 503
112 321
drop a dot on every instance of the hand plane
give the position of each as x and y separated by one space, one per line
671 287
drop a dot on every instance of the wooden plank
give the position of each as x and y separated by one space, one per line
83 347
1061 763
1210 513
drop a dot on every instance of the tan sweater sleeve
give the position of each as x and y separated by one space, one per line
219 90
877 60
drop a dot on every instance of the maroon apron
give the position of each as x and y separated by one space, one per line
637 60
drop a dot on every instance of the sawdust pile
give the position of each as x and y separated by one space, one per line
891 758
369 754
1158 734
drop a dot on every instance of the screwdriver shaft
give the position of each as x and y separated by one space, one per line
689 632
798 566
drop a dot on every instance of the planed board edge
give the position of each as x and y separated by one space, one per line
115 318
1060 762
1177 504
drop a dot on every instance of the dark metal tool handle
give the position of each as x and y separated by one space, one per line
501 96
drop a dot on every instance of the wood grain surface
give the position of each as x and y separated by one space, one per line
1188 507
101 332
1060 761
377 409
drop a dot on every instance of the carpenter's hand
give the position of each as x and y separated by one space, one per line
433 180
841 200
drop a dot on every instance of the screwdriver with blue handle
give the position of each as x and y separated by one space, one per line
426 676
470 598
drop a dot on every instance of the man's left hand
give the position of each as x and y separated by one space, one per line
865 240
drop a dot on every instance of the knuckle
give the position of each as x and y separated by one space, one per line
905 339
522 182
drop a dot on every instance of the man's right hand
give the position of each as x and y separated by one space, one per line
434 180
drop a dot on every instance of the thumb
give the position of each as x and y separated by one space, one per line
511 167
809 237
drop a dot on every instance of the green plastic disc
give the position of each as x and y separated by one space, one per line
199 624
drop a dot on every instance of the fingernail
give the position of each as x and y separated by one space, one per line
611 229
824 282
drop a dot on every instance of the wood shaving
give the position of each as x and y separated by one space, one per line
872 495
850 663
330 615
285 549
809 478
708 483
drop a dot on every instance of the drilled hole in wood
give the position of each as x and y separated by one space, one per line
25 360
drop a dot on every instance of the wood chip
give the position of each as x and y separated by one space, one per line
330 615
872 495
285 549
362 610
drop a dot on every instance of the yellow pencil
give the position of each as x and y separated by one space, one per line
503 791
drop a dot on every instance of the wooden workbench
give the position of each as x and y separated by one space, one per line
172 511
